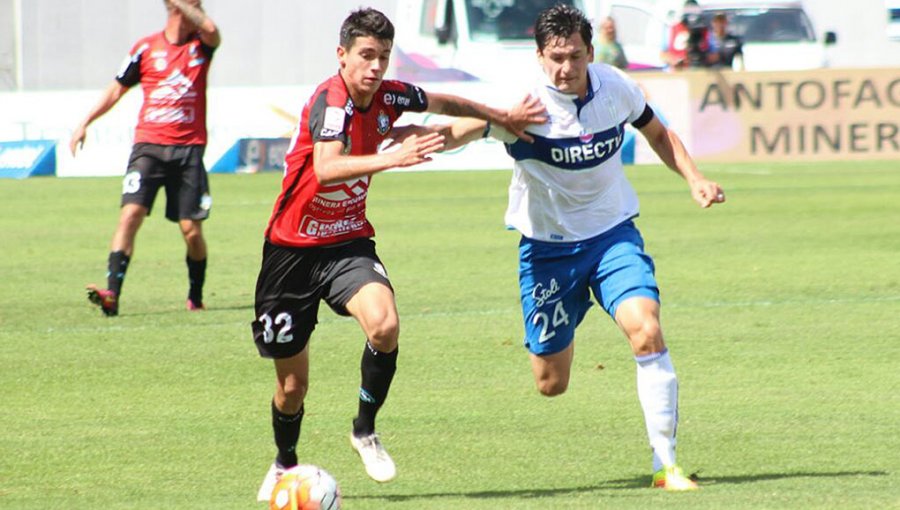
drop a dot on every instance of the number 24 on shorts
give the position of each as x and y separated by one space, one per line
560 317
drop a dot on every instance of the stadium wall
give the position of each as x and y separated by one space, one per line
8 48
78 44
829 114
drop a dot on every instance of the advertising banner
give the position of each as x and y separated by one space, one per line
821 115
27 158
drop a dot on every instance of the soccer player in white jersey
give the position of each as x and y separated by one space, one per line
571 201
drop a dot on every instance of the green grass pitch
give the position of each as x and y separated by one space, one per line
781 309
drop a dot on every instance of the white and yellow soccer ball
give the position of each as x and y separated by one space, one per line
306 487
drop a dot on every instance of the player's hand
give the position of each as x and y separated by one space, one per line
526 112
707 193
417 149
77 140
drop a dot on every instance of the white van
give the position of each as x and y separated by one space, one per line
447 40
777 35
451 40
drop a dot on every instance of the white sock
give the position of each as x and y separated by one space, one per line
658 392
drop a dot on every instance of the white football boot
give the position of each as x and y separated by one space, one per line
268 485
379 465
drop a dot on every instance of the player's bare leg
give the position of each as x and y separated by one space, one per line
551 372
638 317
131 217
291 384
192 231
374 308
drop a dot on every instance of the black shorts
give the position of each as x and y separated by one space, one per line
292 282
177 167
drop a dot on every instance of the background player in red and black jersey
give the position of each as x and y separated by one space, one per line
318 244
170 138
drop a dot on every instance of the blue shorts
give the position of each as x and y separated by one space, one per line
556 280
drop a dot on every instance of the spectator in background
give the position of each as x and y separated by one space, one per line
169 141
726 47
608 49
689 40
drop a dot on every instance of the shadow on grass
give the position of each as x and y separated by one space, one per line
633 483
734 479
182 311
637 482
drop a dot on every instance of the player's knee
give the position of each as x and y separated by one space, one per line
383 332
647 338
384 336
130 220
552 387
293 392
192 236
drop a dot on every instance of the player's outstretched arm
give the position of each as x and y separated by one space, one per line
464 131
456 134
672 152
514 120
110 97
209 32
468 129
332 166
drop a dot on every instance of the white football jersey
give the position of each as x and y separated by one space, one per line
570 184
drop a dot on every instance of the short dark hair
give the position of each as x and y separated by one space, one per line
366 22
561 20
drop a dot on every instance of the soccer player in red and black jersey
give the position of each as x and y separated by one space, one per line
169 142
318 242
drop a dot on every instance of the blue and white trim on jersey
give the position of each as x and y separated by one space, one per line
569 185
571 153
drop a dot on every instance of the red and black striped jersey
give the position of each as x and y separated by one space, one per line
308 213
173 79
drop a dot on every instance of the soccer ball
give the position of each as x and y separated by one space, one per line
305 487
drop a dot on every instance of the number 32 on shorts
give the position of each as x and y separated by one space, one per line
277 329
548 324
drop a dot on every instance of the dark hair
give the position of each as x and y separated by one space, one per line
561 20
366 22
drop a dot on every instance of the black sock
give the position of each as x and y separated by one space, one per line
287 433
196 276
377 373
115 270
